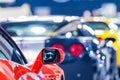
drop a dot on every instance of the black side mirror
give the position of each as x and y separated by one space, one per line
110 39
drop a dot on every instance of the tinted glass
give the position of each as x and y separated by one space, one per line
33 28
2 55
75 28
8 50
78 32
84 32
98 25
51 56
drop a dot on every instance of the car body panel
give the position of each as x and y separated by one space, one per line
15 66
10 70
52 69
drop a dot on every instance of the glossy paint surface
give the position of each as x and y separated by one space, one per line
13 71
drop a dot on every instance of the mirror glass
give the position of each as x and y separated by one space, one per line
51 56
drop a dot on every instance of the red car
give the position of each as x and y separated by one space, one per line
13 64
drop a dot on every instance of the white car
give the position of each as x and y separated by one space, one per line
30 32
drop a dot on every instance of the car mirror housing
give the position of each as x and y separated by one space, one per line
48 55
110 39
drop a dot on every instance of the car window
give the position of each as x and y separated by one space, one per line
75 28
8 50
84 32
98 25
34 28
78 32
71 26
2 55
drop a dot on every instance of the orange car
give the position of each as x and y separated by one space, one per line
14 67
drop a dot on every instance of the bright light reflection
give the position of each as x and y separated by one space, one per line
111 31
110 43
91 54
113 26
99 18
89 29
99 32
70 18
96 19
68 34
82 20
96 41
79 26
38 30
103 57
58 19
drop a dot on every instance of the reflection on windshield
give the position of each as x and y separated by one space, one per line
98 25
32 28
75 28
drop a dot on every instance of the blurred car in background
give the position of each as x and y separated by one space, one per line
29 32
84 58
105 29
102 26
117 43
111 62
117 22
14 65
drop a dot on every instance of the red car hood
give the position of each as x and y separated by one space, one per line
52 71
13 71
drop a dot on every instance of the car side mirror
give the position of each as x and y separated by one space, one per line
48 56
109 42
110 39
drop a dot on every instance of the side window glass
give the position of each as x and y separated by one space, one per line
2 55
8 50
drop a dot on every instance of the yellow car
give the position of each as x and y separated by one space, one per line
105 29
116 44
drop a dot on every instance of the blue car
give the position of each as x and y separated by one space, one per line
84 58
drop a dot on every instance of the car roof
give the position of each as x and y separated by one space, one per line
52 18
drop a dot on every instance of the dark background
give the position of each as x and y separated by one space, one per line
72 7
